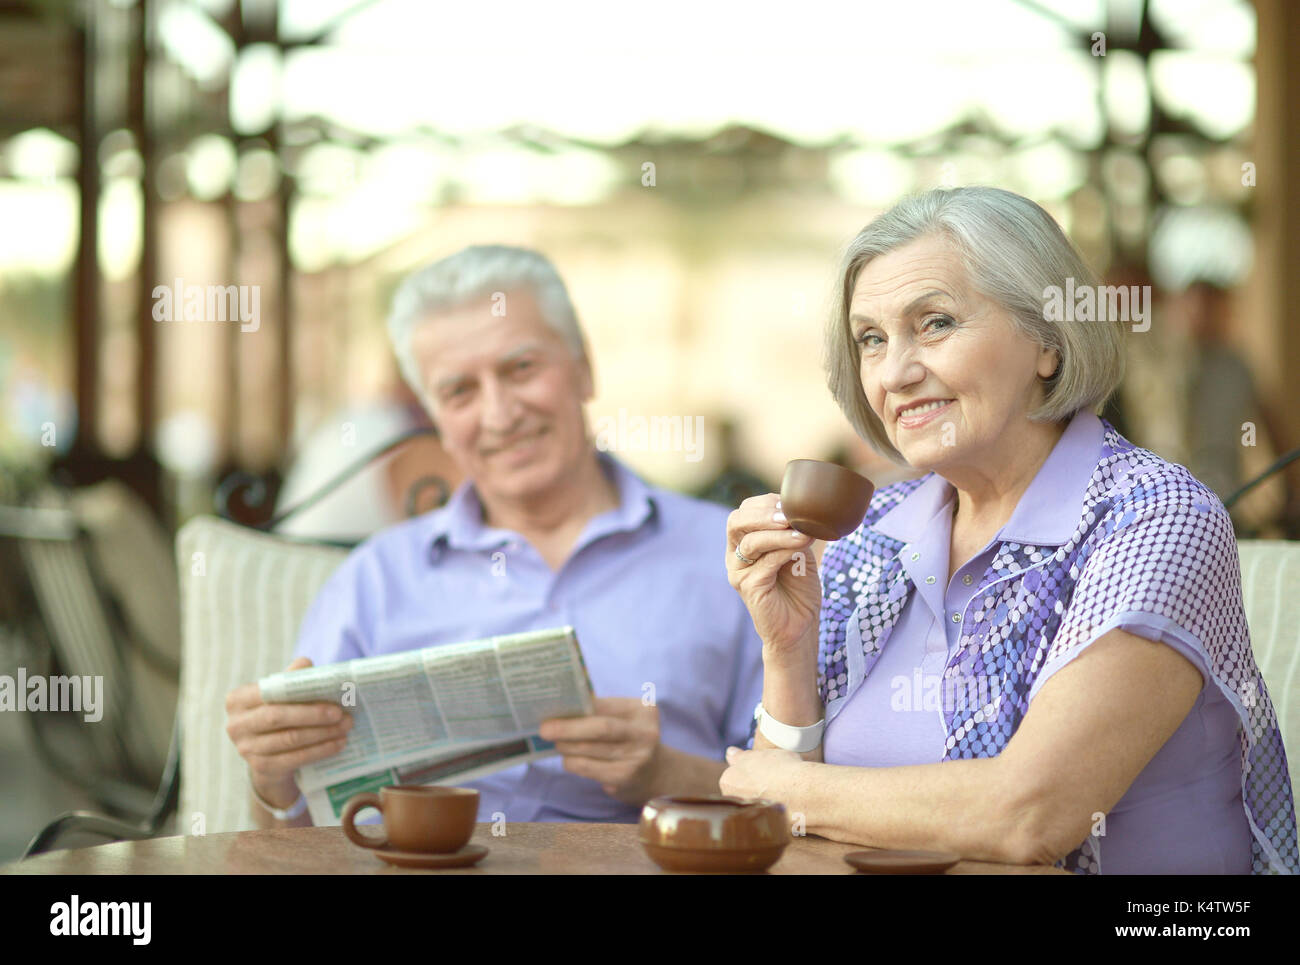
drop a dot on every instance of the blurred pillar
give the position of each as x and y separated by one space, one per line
287 388
1268 310
86 312
147 275
86 463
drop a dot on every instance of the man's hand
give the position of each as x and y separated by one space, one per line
618 746
277 739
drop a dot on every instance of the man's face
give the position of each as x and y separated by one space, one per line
506 394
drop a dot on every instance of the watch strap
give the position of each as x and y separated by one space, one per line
787 736
294 810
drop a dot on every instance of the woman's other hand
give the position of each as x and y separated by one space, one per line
766 773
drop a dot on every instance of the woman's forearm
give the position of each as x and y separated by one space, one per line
790 690
960 806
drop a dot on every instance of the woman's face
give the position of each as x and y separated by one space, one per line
943 367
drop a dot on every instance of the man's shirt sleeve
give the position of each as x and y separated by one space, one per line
746 685
336 626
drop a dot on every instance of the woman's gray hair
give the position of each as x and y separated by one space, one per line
478 272
1013 252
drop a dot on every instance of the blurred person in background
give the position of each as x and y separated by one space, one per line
1225 408
734 481
1192 398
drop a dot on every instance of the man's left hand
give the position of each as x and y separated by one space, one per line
618 746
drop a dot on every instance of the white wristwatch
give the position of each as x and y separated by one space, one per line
788 738
283 814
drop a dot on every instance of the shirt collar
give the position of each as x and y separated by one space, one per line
459 523
1049 510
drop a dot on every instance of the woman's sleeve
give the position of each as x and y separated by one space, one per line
1164 565
1165 570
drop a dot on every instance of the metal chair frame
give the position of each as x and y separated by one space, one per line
47 528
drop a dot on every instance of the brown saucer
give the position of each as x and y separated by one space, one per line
466 856
902 862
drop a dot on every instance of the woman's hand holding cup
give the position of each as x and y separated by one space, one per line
769 560
779 584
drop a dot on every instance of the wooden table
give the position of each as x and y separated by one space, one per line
524 849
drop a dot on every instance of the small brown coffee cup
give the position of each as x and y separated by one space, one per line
430 820
823 500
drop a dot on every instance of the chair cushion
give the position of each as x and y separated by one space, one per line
1270 586
243 596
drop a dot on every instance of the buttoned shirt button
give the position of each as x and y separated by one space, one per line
929 579
966 579
956 618
916 556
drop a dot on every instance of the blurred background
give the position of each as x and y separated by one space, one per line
692 169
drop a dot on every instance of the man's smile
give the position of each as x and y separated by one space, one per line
514 444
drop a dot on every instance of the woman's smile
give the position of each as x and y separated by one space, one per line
914 416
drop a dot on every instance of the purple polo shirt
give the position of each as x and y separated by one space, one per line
1183 813
643 587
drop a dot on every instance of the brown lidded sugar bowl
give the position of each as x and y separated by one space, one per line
713 833
823 500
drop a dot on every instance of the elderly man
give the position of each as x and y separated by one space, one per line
546 531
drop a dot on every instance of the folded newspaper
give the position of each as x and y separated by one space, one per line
441 715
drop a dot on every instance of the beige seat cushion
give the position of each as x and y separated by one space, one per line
243 596
1270 586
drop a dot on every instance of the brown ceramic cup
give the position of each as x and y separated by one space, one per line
823 500
430 820
713 833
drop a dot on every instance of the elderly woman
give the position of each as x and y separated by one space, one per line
1035 652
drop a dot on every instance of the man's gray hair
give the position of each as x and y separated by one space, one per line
474 273
1013 251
